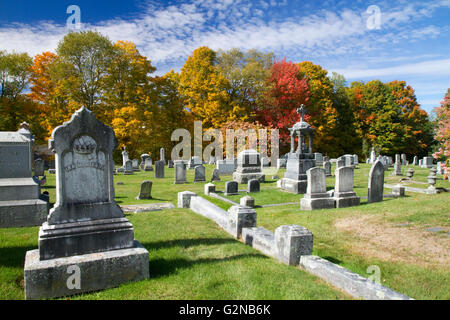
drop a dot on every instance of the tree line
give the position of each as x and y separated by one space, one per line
222 89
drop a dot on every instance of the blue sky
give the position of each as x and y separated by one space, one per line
411 42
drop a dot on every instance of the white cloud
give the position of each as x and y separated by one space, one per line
433 67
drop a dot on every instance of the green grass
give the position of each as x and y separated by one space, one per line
192 258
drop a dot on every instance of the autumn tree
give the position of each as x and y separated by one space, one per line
205 90
286 91
442 133
15 107
246 72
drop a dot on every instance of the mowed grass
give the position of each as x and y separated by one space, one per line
192 258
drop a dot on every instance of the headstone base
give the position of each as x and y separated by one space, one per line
22 213
317 203
294 186
349 199
50 278
245 177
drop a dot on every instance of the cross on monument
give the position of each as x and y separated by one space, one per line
302 111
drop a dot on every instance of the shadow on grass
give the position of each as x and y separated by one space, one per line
14 256
164 267
332 259
186 243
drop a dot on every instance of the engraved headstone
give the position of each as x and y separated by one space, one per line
327 168
128 167
85 220
39 167
146 190
159 169
162 157
248 167
215 175
148 165
253 185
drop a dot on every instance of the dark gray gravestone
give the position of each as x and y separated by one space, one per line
231 188
159 169
376 182
253 185
199 174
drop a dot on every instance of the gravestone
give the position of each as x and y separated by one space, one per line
180 172
439 168
340 162
376 182
169 163
215 175
355 159
372 156
319 159
86 228
343 188
415 161
300 159
247 201
199 174
135 164
427 162
144 157
327 168
253 185
128 167
39 167
248 167
146 190
212 160
420 162
231 188
148 166
162 157
159 169
316 196
124 156
195 161
397 166
225 167
348 160
20 204
403 159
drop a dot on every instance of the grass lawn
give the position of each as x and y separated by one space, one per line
192 258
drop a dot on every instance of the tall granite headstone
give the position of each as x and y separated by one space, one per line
159 169
19 193
199 174
376 182
316 196
180 172
85 221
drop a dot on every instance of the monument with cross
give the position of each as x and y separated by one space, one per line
300 158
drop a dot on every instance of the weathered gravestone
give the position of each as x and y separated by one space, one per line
195 161
340 162
253 185
316 196
199 173
180 172
135 164
162 156
19 193
225 166
376 182
248 167
415 161
231 188
397 166
169 163
148 165
124 156
128 167
215 175
146 190
39 167
159 169
86 230
247 201
427 162
327 168
343 189
144 157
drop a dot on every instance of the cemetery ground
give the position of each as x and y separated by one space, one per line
193 258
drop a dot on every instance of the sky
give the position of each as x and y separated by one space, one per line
362 40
